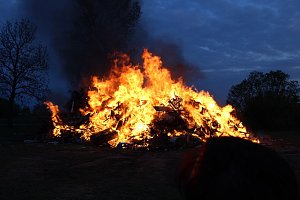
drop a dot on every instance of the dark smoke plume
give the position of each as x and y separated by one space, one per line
173 58
84 32
169 50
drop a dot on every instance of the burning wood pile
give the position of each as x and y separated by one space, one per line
137 104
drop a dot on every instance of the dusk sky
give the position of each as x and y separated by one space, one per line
225 39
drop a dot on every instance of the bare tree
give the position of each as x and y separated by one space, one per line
23 63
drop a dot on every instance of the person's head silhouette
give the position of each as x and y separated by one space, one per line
234 168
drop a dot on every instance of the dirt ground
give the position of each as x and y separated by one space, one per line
65 172
61 172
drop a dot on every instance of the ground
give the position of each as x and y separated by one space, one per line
45 171
68 171
61 172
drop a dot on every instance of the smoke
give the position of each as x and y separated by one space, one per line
81 34
173 58
169 50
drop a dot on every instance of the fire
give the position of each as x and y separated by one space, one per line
134 100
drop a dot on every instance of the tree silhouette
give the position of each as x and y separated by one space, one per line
23 63
267 101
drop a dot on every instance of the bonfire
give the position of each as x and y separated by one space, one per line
138 103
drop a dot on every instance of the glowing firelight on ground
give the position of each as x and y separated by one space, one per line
134 98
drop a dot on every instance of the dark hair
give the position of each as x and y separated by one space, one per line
234 168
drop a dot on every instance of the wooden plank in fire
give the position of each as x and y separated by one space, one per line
175 102
75 120
162 108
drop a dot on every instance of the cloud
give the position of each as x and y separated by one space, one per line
232 69
209 70
240 69
205 48
277 56
230 32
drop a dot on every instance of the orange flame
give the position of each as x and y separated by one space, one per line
131 99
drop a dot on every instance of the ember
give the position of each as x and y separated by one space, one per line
136 104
